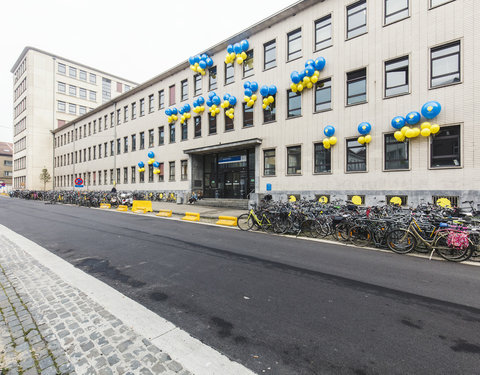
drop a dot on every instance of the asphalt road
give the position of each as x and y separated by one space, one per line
277 305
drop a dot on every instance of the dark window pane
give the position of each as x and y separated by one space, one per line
396 153
269 113
212 78
445 64
323 95
294 160
212 124
229 73
322 159
248 65
228 123
247 116
294 104
356 156
445 147
357 86
269 162
396 76
198 126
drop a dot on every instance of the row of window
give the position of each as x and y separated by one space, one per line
22 68
19 182
20 126
72 72
20 163
72 91
72 108
20 89
20 107
20 145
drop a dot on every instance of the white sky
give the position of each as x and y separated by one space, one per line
135 40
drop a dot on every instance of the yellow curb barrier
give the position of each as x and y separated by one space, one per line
191 216
146 205
105 205
122 208
164 213
230 221
139 210
4 194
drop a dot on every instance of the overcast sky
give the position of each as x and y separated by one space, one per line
135 40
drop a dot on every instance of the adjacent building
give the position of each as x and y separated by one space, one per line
384 58
50 91
6 162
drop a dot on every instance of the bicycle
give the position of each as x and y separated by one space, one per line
254 219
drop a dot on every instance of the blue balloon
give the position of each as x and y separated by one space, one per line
196 59
431 109
309 70
216 100
156 164
187 108
226 96
230 48
151 154
174 111
329 131
320 64
237 48
413 118
272 90
202 64
310 62
209 62
201 100
254 86
246 85
232 100
295 76
248 92
364 128
180 111
211 94
203 56
264 90
301 75
244 44
191 60
141 164
168 112
209 103
398 122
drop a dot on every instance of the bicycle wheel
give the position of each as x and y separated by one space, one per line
341 232
245 221
451 253
307 228
281 224
359 235
401 241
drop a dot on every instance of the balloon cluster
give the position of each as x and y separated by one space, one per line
141 166
172 114
200 62
228 103
249 94
198 104
213 102
364 128
151 157
185 112
430 110
308 76
268 93
329 131
237 52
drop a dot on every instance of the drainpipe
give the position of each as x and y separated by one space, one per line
53 125
115 150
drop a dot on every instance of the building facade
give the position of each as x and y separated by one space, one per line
384 58
6 166
50 91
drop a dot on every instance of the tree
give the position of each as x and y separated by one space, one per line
45 177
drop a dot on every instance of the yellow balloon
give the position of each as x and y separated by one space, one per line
243 55
264 106
309 85
217 110
232 56
169 118
323 199
306 80
293 86
239 60
271 99
230 115
426 125
435 129
188 115
202 72
368 138
292 198
416 132
250 103
314 79
326 142
316 73
246 98
151 161
404 130
398 135
254 97
361 140
332 140
193 68
425 132
327 145
444 202
300 87
410 133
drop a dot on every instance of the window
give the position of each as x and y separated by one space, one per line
294 45
112 148
161 135
99 177
323 95
125 113
269 162
105 176
92 96
445 148
72 72
356 156
134 142
229 73
228 123
197 120
445 64
171 99
72 108
62 69
61 106
323 33
106 89
184 90
396 77
125 144
248 65
357 19
212 78
161 99
184 128
294 104
269 113
83 75
82 93
99 151
125 175
294 160
106 122
171 173
151 141
142 107
150 104
357 86
61 87
112 122
395 10
247 115
141 177
119 116
212 124
142 140
161 174
184 170
134 111
106 150
436 3
322 157
72 90
93 78
270 55
133 174
172 133
150 173
396 153
197 84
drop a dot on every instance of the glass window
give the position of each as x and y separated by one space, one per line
93 78
141 177
92 96
356 156
396 153
396 76
184 90
445 148
269 162
161 135
270 55
228 123
248 65
171 175
72 90
184 170
119 116
171 98
294 44
323 33
161 174
150 104
198 126
142 140
172 133
357 19
294 104
125 113
229 73
323 95
125 144
106 89
151 140
294 160
72 108
212 78
445 64
125 175
83 75
133 174
134 142
61 106
72 72
247 115
150 173
357 86
112 148
82 93
436 3
134 111
161 99
184 128
323 159
269 113
395 10
61 87
142 107
212 124
119 146
62 69
197 84
82 110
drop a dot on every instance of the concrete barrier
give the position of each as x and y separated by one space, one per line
164 213
122 208
146 205
139 210
191 216
105 205
230 221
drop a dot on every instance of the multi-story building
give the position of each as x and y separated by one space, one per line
384 58
6 161
50 91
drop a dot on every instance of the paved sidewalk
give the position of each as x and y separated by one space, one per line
49 326
206 212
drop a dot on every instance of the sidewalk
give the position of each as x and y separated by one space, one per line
206 212
56 319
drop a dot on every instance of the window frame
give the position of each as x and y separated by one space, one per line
320 145
288 57
274 174
347 104
357 145
197 84
171 176
171 133
272 111
197 127
393 61
287 173
226 68
460 145
246 109
407 142
212 82
298 93
445 46
385 23
351 6
265 62
430 6
251 71
184 165
315 95
184 90
315 42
